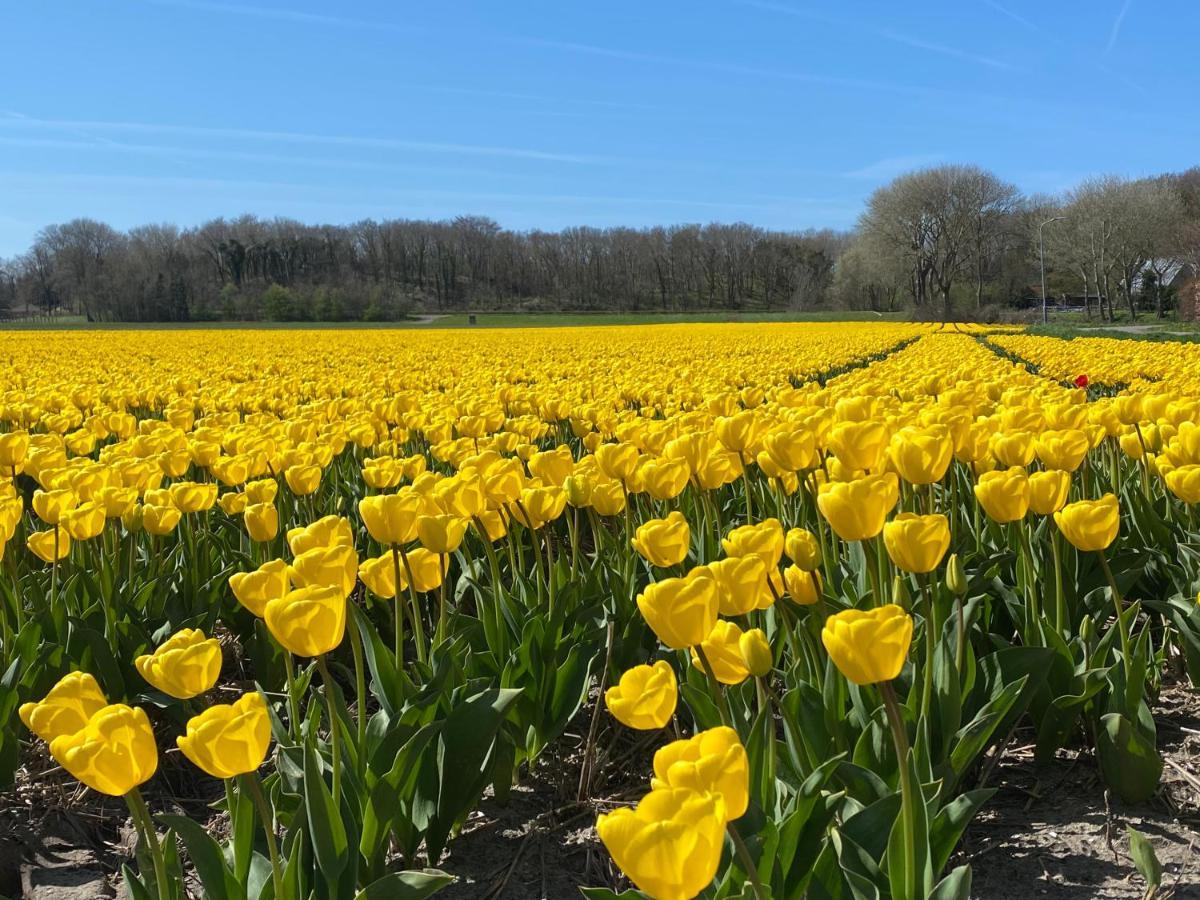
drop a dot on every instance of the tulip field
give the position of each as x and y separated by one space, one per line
289 606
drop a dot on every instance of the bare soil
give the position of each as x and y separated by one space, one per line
1054 831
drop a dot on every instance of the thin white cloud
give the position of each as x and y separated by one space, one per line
954 52
573 47
93 181
885 34
1116 26
1016 17
88 125
178 153
891 166
282 15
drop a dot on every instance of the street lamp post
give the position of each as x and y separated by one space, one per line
1042 262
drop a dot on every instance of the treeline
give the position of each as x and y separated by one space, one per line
956 240
946 242
283 270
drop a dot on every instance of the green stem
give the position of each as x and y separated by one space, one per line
1119 606
141 818
399 610
334 743
907 796
254 789
931 637
360 686
418 626
746 861
293 700
715 687
1060 599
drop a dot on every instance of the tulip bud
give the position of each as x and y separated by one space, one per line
1087 630
803 549
900 595
956 576
756 652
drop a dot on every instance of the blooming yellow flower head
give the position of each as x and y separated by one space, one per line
186 665
645 696
917 543
113 753
682 611
713 761
1090 524
663 542
66 708
670 845
227 740
868 646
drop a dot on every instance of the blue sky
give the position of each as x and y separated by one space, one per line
545 114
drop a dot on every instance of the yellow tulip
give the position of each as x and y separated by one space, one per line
792 450
607 497
309 621
254 589
803 587
681 611
52 506
1004 495
1062 450
1048 490
184 666
1184 483
428 570
14 447
803 548
712 762
116 500
617 460
66 709
262 521
227 740
724 653
263 490
50 545
670 845
538 506
922 455
663 542
664 479
764 540
1090 524
303 480
84 522
741 584
552 466
113 753
859 445
329 531
442 533
379 575
868 646
191 497
645 696
160 520
1014 449
856 510
335 567
756 652
917 543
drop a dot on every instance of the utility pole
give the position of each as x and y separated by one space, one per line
1042 262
